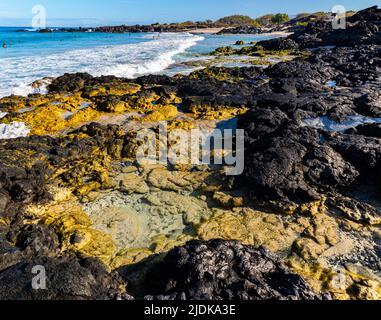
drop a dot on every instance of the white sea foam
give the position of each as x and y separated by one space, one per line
329 125
129 60
13 130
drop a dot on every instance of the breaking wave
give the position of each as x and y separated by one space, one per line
128 60
13 130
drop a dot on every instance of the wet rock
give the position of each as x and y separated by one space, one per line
224 270
69 82
155 79
368 130
279 44
369 104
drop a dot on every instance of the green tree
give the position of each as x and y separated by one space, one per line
265 20
237 20
280 18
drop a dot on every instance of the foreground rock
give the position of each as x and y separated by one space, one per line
221 270
67 279
36 270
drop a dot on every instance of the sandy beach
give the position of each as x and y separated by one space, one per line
217 30
277 33
207 31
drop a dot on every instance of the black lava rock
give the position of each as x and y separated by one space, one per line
66 279
221 270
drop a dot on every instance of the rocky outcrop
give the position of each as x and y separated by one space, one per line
361 28
301 168
221 270
288 159
241 30
67 277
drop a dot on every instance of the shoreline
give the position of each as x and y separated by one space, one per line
217 30
25 90
205 31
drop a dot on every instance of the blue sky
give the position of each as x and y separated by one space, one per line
97 12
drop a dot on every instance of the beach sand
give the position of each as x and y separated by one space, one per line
206 30
217 30
277 33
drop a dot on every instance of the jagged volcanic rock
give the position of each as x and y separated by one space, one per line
224 270
66 279
286 162
361 28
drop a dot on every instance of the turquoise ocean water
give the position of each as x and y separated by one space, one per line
30 55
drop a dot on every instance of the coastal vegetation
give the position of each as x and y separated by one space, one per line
237 20
249 24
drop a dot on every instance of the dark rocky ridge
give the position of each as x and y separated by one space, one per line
242 30
68 277
290 163
361 28
219 270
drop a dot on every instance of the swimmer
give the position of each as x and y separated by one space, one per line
4 45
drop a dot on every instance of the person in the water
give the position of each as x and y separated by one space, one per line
4 45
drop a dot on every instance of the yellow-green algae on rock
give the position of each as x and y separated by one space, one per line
123 213
308 239
161 114
56 113
129 212
142 212
74 229
52 113
216 113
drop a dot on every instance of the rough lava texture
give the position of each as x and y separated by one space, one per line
291 155
361 28
68 277
222 270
